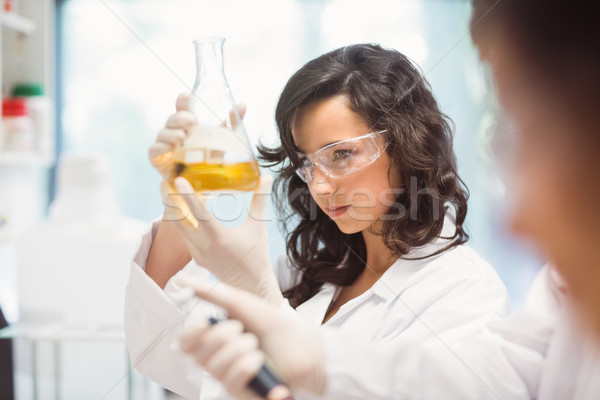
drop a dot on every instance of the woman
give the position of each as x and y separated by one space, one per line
368 176
545 61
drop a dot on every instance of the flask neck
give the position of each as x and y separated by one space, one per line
209 62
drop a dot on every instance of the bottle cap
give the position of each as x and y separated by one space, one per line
27 89
14 107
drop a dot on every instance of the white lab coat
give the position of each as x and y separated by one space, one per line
540 353
415 301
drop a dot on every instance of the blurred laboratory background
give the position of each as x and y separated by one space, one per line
86 86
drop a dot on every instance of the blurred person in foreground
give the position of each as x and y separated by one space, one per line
545 60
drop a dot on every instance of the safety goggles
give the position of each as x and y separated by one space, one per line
341 158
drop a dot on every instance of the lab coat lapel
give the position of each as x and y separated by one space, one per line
315 309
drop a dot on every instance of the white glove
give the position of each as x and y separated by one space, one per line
172 134
226 352
161 151
237 256
231 355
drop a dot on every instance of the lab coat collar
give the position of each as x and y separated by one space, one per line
315 309
389 285
395 279
393 282
448 230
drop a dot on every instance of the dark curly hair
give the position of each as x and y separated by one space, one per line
389 93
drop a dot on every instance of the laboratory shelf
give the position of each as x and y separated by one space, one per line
25 159
62 332
17 22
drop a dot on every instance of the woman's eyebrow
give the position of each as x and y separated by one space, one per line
335 142
328 144
321 147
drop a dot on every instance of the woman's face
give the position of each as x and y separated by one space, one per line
555 183
357 201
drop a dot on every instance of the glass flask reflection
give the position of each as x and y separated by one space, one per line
216 153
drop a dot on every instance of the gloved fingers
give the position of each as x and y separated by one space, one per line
203 342
160 154
258 208
177 210
240 372
181 120
219 362
190 334
188 215
256 314
240 109
196 206
183 101
170 136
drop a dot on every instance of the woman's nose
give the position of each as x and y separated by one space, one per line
321 184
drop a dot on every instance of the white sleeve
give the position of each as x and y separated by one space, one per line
153 322
504 360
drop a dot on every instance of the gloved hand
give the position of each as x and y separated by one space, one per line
173 133
231 355
161 151
226 352
237 256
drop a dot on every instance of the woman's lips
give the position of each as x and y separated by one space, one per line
336 211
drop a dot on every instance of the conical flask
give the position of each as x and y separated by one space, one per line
216 153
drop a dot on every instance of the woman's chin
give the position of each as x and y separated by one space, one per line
349 227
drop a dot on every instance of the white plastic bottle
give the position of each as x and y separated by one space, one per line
39 108
18 131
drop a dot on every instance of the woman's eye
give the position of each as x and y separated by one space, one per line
341 155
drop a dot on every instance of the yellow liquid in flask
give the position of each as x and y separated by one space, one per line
244 176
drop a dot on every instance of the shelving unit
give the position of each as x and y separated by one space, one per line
25 159
17 22
27 39
27 43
